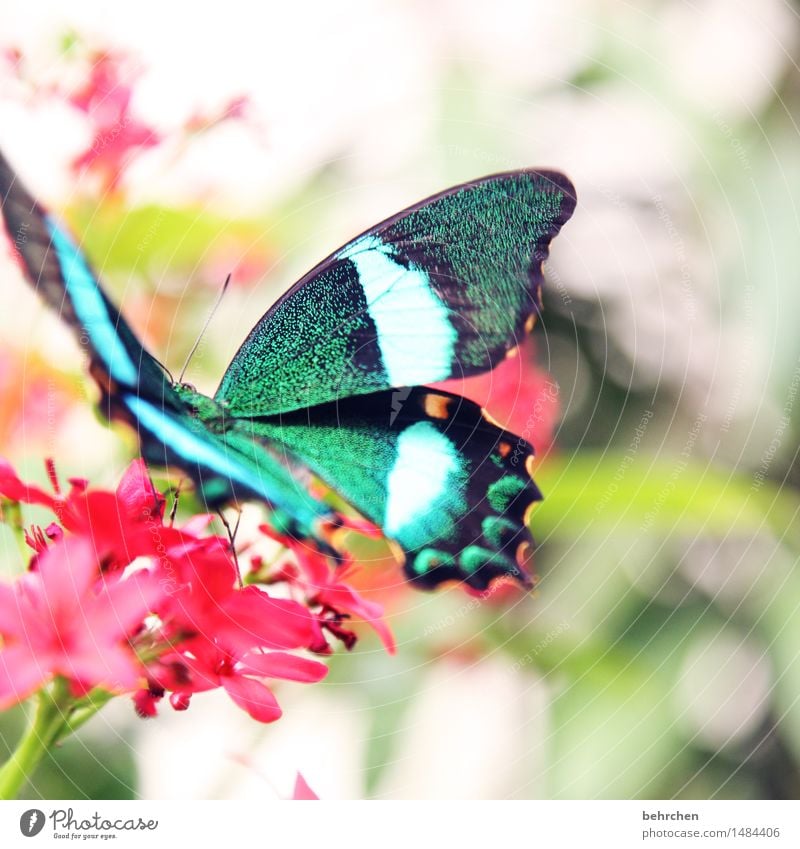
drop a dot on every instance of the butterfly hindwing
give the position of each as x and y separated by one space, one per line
441 290
444 482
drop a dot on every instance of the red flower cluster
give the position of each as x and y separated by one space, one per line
117 134
118 599
105 98
322 586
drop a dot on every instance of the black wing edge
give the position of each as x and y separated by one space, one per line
25 220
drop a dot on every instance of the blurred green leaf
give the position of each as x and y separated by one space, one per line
85 766
590 492
614 734
152 237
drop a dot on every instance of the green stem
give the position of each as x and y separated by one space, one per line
49 719
84 711
11 515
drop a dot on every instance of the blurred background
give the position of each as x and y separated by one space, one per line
658 656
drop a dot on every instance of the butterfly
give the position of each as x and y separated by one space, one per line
331 382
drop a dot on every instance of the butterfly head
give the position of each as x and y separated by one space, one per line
200 406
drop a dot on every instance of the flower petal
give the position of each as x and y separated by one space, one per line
198 524
278 664
302 792
11 620
252 618
136 494
12 487
340 597
21 673
121 607
92 664
253 697
66 571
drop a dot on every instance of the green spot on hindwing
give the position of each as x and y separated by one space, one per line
497 529
429 559
473 558
503 492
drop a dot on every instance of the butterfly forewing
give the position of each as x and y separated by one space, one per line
441 290
62 276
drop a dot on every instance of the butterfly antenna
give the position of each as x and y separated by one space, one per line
205 327
166 371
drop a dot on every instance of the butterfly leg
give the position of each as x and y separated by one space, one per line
232 537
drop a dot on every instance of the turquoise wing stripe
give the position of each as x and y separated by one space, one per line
426 486
91 308
412 324
261 475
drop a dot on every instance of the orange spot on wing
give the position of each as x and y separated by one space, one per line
437 406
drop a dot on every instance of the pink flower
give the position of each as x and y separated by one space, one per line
65 619
121 525
205 665
73 612
227 636
325 589
207 630
12 487
302 792
105 99
207 601
117 134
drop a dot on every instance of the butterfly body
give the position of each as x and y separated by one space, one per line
330 383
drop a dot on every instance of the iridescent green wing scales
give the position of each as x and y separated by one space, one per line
443 289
